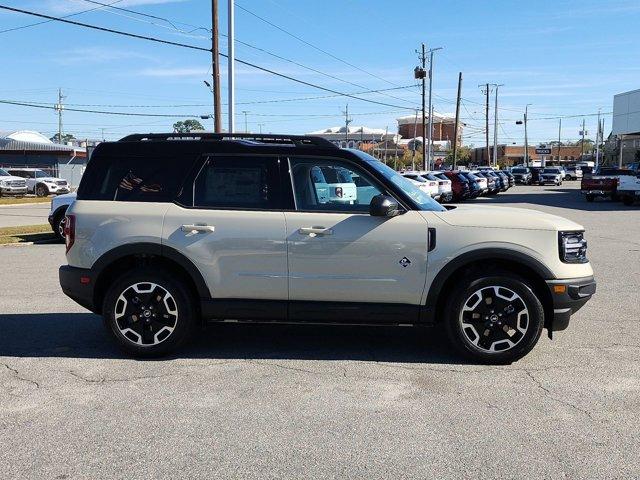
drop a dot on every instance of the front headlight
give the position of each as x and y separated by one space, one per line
573 247
5 183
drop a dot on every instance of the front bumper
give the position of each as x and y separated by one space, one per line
13 190
78 284
568 296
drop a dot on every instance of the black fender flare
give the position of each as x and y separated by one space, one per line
152 249
494 253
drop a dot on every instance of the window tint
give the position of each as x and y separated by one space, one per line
238 182
331 185
40 174
4 173
134 178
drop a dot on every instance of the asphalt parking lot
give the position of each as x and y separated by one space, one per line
26 214
246 401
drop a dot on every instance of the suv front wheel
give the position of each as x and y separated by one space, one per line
494 319
148 312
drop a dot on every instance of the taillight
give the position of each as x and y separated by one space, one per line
339 192
441 183
69 231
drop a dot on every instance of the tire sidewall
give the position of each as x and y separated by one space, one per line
185 303
464 291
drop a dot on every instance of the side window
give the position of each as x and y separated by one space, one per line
238 183
332 185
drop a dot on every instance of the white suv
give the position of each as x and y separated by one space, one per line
40 182
11 185
171 230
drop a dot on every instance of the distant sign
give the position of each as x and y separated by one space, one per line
543 151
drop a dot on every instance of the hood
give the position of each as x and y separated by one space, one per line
10 178
50 179
505 217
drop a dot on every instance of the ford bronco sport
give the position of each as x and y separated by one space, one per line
172 230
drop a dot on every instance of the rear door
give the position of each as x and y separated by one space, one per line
230 224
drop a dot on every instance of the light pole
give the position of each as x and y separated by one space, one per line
430 102
246 125
526 142
495 127
231 67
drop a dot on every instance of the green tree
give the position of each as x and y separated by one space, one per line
464 156
66 137
187 126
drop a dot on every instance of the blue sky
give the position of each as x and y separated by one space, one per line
563 57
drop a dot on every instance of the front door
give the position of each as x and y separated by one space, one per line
338 252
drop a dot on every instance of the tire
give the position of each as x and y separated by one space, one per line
509 315
58 224
615 197
41 190
134 325
627 200
590 198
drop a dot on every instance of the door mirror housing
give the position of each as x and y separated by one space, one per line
384 206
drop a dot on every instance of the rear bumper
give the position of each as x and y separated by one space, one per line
600 193
78 285
569 296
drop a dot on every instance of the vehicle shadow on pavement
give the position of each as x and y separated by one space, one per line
556 197
82 335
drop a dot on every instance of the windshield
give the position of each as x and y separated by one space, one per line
422 200
551 170
4 173
519 170
41 174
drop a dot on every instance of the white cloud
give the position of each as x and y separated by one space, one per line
67 7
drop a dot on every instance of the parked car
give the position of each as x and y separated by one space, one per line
552 175
501 184
429 186
40 182
603 183
334 185
512 179
522 175
506 181
10 185
573 173
444 187
459 185
57 212
493 184
629 189
481 181
186 232
475 190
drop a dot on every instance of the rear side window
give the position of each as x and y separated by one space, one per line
238 183
134 178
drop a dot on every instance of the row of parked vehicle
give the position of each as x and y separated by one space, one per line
20 181
546 175
617 184
457 185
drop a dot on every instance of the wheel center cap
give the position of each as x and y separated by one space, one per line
146 313
493 318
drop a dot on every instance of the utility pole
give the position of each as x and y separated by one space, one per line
59 108
422 75
559 137
386 143
231 58
430 102
246 125
215 68
495 127
598 140
526 138
582 141
347 121
486 123
260 125
455 128
415 132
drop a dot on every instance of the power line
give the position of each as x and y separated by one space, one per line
193 47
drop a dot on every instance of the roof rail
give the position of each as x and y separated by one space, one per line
297 140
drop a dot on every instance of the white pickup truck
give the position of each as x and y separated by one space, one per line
629 189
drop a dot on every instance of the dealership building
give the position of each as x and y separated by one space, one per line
626 126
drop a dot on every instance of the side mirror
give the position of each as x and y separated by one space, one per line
384 206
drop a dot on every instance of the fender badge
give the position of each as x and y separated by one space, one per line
405 262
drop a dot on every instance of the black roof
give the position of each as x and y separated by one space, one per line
247 138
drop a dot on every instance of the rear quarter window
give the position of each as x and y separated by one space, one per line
134 178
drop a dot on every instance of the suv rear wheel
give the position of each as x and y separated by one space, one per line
494 318
41 190
149 313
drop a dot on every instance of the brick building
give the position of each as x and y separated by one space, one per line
443 127
514 154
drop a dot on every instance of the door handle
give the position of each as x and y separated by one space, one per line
313 231
197 228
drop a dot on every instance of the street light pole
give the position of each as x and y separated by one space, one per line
495 127
526 138
246 125
231 66
430 102
215 68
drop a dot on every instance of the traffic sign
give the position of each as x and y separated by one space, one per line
543 151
